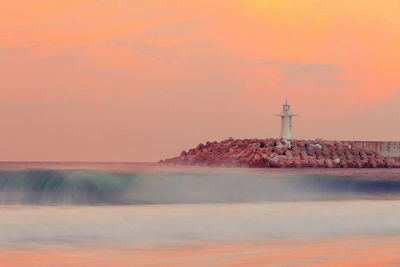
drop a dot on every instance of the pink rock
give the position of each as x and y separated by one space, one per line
350 164
343 164
248 153
380 163
310 153
297 153
388 162
328 163
313 163
305 163
301 143
365 163
372 163
303 155
357 164
278 151
281 163
288 154
273 154
273 163
289 163
325 154
297 163
278 144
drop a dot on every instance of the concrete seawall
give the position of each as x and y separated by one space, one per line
385 148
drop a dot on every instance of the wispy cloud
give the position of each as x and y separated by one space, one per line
171 30
307 74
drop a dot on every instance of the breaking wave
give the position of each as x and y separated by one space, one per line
77 187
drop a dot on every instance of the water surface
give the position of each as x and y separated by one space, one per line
139 214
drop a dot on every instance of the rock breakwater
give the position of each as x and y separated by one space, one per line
282 153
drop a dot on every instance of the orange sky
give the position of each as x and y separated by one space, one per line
130 80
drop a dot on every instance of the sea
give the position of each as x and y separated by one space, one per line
143 214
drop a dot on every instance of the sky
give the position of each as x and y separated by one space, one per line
131 80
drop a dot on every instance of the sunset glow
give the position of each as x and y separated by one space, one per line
100 80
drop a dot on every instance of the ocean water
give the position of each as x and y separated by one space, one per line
108 214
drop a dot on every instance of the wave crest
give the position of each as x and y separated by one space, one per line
76 187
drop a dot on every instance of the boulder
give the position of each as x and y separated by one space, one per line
320 163
288 154
281 163
289 163
328 163
278 144
297 163
373 163
380 163
313 163
278 151
281 153
257 163
343 164
305 163
358 164
273 163
350 164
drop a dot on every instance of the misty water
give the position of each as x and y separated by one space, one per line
142 205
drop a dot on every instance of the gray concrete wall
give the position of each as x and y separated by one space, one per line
385 148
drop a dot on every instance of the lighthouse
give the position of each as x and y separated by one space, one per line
286 122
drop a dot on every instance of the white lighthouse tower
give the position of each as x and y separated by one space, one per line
286 122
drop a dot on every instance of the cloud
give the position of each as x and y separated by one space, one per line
172 30
296 74
19 107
